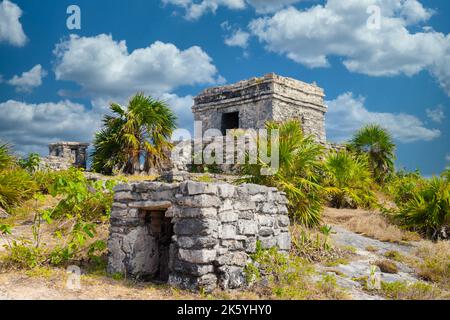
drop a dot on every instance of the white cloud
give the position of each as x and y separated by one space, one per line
436 114
29 79
347 113
104 67
196 9
30 127
238 38
447 157
267 6
339 28
11 30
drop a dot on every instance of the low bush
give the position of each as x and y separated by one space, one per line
410 291
348 182
281 276
16 186
428 208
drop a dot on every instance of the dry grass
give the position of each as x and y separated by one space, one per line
435 264
387 266
412 291
370 224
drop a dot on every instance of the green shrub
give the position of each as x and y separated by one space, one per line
16 186
347 181
410 291
89 199
298 172
6 158
428 208
403 185
31 162
288 277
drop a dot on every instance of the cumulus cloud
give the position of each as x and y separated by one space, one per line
436 114
267 6
11 30
347 113
103 67
29 79
195 9
340 28
238 38
30 127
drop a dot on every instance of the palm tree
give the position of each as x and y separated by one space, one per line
139 132
297 175
378 144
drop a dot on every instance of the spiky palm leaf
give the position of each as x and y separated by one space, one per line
297 174
428 210
141 131
348 181
378 144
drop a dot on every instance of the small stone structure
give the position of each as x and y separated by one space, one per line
193 234
63 155
250 103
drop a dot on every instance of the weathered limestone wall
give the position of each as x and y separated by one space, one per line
72 153
271 97
215 228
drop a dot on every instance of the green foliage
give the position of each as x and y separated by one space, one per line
16 186
24 254
82 204
87 199
5 229
142 130
347 181
6 158
378 144
30 163
403 186
399 290
427 207
297 175
288 276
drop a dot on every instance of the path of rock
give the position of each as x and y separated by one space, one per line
363 260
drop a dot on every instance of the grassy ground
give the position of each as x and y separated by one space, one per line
430 260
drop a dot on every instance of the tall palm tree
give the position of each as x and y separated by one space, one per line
378 144
139 132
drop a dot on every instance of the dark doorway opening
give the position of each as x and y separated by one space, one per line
162 231
229 121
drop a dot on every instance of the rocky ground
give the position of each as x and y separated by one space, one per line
361 261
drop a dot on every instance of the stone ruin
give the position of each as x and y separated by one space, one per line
63 155
248 104
194 235
198 235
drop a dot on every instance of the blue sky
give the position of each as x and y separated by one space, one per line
57 83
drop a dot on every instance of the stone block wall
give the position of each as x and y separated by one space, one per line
214 227
258 100
74 153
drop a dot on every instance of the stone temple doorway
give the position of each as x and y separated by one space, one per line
161 229
230 120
